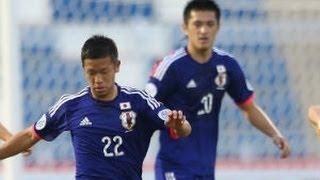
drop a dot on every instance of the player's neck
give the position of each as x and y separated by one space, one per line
108 97
200 56
113 94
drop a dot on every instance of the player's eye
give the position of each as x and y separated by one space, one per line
104 72
197 24
211 23
91 73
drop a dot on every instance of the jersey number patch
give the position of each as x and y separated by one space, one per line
107 150
207 101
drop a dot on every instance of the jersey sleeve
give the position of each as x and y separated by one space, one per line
239 89
162 81
52 123
155 112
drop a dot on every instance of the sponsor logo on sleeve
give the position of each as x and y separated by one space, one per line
163 114
151 89
41 123
249 86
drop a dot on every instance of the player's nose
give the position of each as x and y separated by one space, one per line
98 79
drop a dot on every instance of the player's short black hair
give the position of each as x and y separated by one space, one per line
200 5
99 46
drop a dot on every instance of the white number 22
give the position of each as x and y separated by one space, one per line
207 101
107 151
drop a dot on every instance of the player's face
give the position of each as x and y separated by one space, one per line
201 29
100 74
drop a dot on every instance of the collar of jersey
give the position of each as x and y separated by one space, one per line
101 102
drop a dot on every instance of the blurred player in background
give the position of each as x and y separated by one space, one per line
110 125
194 79
314 117
5 135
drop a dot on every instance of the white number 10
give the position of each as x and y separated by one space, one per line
207 104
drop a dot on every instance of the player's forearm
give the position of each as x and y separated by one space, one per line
18 143
261 121
4 133
183 130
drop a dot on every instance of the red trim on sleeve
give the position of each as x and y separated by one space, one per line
35 134
249 100
172 133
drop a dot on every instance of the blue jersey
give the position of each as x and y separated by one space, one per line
196 89
110 139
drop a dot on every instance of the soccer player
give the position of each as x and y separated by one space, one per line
195 79
110 125
314 117
5 135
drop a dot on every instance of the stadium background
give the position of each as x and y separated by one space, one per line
277 43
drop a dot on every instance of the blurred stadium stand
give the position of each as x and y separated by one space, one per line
97 11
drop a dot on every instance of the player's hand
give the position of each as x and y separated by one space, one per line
283 145
26 152
175 119
316 127
314 117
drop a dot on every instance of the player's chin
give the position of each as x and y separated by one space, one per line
204 47
100 94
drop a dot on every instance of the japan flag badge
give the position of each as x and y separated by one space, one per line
125 106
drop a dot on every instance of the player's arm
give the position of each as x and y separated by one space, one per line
261 121
18 143
314 117
178 123
4 133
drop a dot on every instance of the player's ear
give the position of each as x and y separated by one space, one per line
184 29
117 65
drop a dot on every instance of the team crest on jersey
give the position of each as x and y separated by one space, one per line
221 79
128 120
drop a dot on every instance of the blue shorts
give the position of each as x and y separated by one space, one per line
164 172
